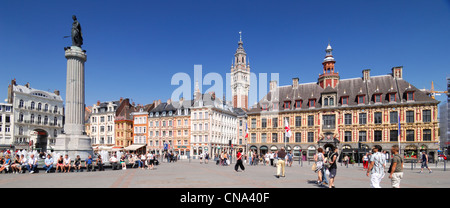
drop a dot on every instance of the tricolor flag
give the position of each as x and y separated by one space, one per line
246 131
286 127
399 125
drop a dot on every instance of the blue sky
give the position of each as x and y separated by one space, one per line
135 47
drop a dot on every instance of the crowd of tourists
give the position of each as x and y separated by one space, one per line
20 163
325 163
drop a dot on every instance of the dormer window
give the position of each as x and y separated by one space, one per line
164 113
275 106
264 107
151 114
409 96
344 100
377 98
392 97
170 113
312 103
298 104
361 99
287 105
328 100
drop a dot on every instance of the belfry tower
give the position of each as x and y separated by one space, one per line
240 77
329 77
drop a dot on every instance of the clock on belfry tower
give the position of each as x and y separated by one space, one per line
240 77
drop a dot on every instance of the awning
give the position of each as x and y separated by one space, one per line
134 147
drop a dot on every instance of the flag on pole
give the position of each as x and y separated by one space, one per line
399 133
246 131
286 127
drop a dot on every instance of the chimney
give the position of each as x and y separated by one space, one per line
397 72
169 101
56 92
273 85
121 99
27 85
98 102
366 74
295 82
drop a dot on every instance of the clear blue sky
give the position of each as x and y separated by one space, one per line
134 47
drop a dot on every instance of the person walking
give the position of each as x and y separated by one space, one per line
332 160
239 163
425 162
396 168
319 160
376 167
281 163
366 161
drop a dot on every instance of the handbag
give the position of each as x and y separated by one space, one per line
314 167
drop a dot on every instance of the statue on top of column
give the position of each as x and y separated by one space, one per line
77 36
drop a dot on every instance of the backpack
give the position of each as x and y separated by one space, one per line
329 160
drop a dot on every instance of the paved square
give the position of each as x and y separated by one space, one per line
183 174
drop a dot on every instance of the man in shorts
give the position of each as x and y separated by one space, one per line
396 169
333 166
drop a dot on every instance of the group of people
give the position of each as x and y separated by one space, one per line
325 164
18 164
204 157
280 155
150 160
222 159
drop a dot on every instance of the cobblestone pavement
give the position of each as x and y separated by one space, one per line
184 174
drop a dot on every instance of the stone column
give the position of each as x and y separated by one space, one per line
74 141
74 109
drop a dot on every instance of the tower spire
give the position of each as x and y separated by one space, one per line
329 76
240 77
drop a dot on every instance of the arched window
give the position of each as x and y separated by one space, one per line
32 118
39 119
32 105
21 104
39 107
46 107
55 109
325 101
20 130
21 117
45 120
55 121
